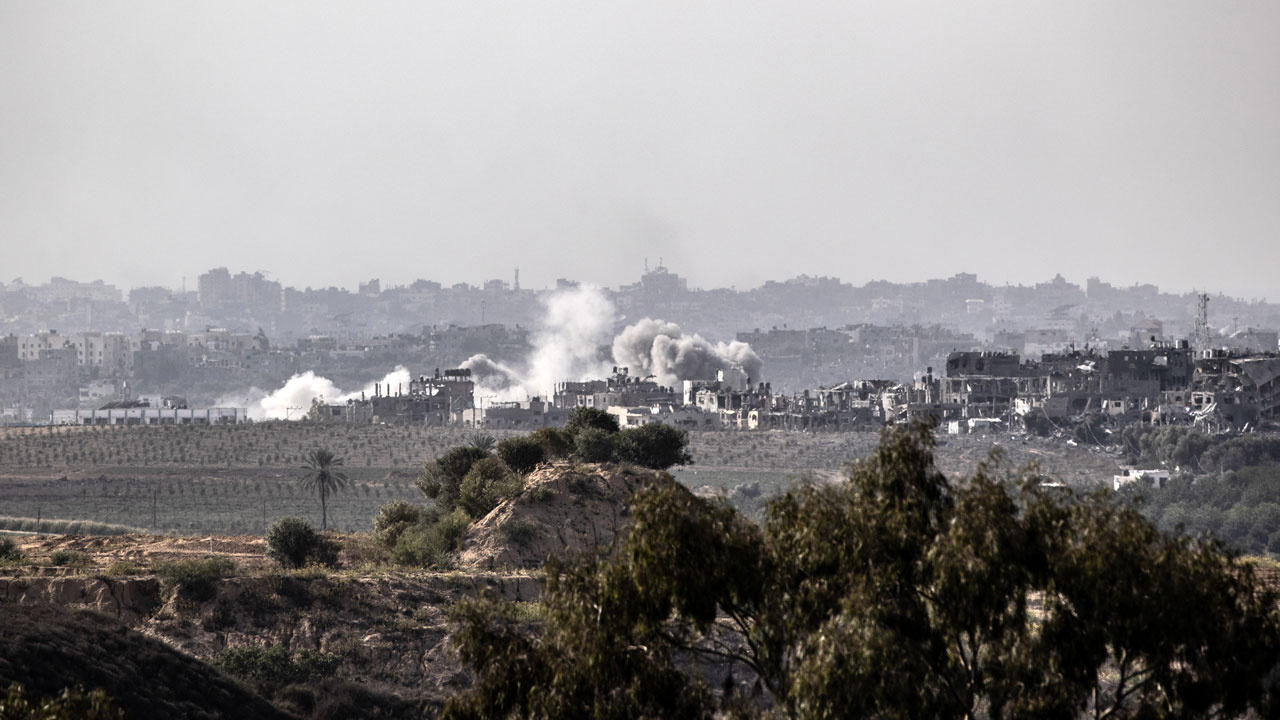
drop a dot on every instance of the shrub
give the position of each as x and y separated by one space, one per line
393 518
9 551
293 542
555 443
63 557
595 445
654 446
442 477
195 579
583 418
519 531
521 454
430 543
489 483
275 666
70 704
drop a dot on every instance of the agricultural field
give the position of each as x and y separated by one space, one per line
236 479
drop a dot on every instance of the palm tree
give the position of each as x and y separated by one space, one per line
323 479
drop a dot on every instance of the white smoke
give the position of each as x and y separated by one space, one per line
566 346
293 399
663 350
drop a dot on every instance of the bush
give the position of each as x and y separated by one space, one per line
293 542
489 483
195 579
655 446
394 518
519 531
275 666
584 418
555 443
521 454
9 551
595 445
70 704
430 543
442 477
63 557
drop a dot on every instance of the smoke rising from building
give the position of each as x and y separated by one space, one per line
579 323
663 350
294 398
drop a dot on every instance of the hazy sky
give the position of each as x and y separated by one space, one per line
326 143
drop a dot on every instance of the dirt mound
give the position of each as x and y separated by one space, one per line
48 648
565 507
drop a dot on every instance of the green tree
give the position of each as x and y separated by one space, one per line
70 704
581 418
323 478
895 594
441 479
521 454
654 446
488 483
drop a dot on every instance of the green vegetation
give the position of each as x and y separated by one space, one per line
393 519
195 580
70 704
294 543
431 541
486 484
9 550
64 527
63 558
441 479
1177 447
893 595
522 453
272 667
324 479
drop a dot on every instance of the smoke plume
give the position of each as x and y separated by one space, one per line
293 399
663 350
566 346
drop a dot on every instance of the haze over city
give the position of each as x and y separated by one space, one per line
144 142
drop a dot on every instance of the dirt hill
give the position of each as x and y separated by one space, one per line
564 508
47 648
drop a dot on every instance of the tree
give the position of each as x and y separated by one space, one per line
895 594
488 483
441 478
654 445
323 478
581 418
521 454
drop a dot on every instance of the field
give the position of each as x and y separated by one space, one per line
235 479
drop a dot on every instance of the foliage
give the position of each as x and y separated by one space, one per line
294 543
592 444
430 542
1175 446
441 479
195 579
1092 430
488 483
654 446
555 443
63 557
70 704
519 531
9 550
1038 423
274 666
521 454
483 442
323 478
582 418
394 518
892 595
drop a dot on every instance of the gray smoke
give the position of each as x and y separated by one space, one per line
662 349
490 374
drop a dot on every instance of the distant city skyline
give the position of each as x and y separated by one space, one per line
141 141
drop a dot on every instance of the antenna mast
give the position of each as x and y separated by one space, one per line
1202 338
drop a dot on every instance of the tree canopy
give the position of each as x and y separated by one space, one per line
893 594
